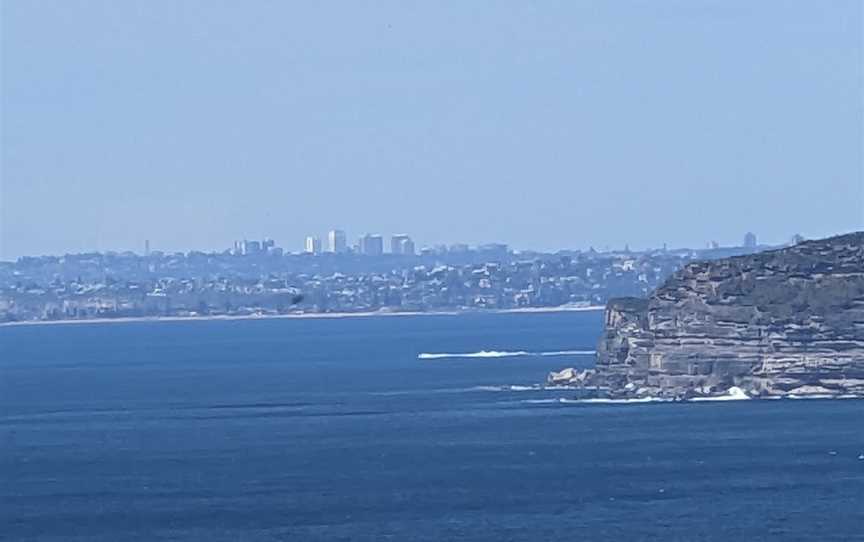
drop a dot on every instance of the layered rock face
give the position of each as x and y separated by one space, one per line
781 323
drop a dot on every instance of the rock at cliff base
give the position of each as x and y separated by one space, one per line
779 323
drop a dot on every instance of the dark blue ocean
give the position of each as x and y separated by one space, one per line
335 430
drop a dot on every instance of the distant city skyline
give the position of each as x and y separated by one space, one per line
258 278
543 125
314 243
403 244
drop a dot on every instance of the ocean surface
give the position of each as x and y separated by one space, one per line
368 429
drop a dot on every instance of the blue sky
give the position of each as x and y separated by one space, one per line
541 124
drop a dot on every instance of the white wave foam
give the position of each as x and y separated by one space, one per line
597 401
513 387
603 401
502 354
732 394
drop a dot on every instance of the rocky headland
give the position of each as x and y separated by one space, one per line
783 323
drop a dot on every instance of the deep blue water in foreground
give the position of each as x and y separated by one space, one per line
335 430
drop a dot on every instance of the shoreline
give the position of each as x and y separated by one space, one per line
299 316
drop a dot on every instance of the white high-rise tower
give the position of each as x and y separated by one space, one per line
337 241
313 245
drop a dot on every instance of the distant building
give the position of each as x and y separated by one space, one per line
408 248
337 242
797 239
459 248
372 245
750 240
495 250
248 248
402 245
147 247
313 245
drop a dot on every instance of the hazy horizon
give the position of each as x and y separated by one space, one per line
551 125
289 247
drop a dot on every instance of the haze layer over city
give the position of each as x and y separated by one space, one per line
257 278
546 126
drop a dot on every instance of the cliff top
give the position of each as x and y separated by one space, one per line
813 257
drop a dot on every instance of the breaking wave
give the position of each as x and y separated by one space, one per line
596 401
512 387
604 401
482 388
503 354
732 394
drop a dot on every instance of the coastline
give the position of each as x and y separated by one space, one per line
310 315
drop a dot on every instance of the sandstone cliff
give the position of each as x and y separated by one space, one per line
788 322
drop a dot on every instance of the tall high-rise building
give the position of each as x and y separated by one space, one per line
313 245
408 247
750 240
249 248
147 247
372 244
401 244
337 242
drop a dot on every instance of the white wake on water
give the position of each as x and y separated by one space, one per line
503 354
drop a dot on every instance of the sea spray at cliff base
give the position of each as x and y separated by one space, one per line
781 323
503 354
732 394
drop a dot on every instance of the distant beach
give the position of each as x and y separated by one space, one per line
307 315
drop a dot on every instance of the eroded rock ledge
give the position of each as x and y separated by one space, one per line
788 322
